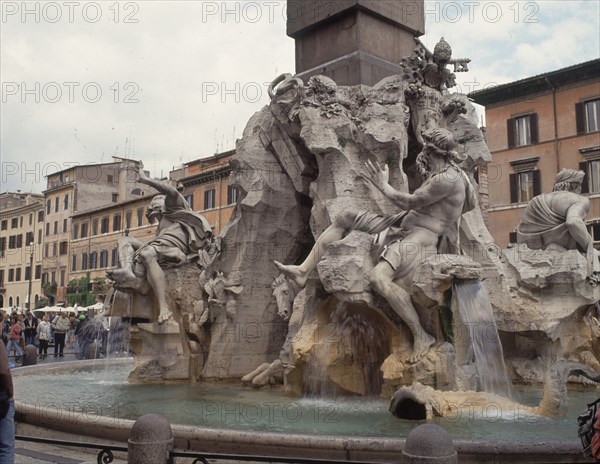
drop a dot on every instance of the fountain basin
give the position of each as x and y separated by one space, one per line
225 418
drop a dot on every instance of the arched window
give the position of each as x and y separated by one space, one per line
18 302
10 301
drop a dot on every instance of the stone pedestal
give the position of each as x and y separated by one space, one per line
161 355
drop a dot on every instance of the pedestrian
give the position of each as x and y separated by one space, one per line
44 333
5 326
31 323
61 326
7 411
14 338
74 320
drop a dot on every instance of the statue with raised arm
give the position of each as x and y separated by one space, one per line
426 216
180 235
556 221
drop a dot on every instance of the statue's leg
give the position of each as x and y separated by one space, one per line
382 279
126 250
259 370
262 375
334 232
156 279
275 369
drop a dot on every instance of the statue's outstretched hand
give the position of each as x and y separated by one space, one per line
377 176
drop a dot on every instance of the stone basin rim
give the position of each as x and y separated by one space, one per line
227 441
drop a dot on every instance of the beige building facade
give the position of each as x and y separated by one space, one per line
21 227
74 190
95 235
84 211
207 188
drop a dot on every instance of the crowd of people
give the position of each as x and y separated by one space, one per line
58 330
63 329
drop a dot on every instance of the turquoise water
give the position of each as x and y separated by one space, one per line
107 393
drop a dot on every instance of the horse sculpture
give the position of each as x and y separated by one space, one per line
284 294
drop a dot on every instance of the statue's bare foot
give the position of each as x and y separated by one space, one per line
164 316
423 342
121 275
293 273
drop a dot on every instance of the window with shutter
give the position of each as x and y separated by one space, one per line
525 180
533 128
592 115
209 199
591 180
510 130
537 183
522 130
232 194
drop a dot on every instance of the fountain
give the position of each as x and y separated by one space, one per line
364 305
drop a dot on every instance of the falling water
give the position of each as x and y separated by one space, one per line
116 341
473 304
360 341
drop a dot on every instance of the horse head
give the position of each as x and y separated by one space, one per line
284 294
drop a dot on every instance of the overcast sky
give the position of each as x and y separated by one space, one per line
168 82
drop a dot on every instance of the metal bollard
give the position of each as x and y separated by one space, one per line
429 444
150 440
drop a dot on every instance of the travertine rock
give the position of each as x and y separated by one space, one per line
546 287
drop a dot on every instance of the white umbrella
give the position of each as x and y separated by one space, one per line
48 309
96 307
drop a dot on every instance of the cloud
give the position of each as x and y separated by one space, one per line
198 72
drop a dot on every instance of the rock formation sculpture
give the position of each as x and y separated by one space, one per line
333 326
